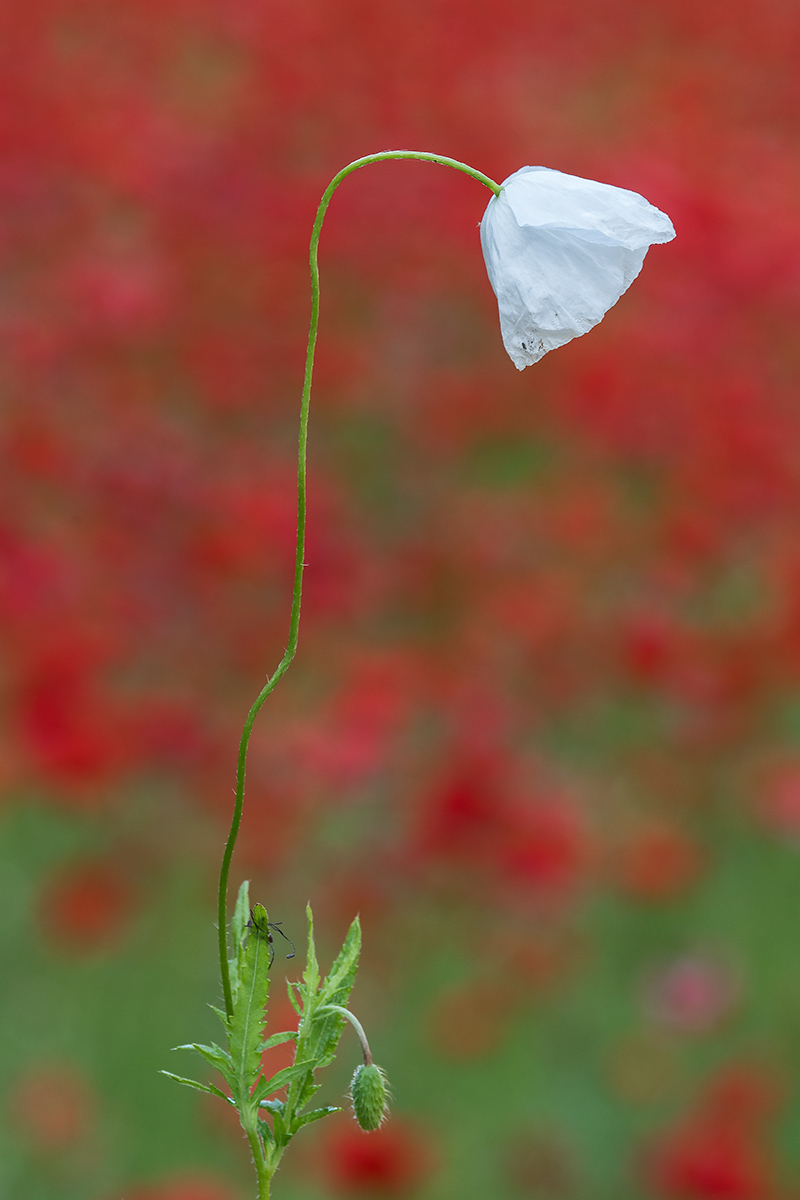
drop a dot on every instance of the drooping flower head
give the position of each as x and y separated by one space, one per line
560 251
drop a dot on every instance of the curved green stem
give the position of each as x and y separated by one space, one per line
359 1028
294 622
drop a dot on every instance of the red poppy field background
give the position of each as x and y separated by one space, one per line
543 730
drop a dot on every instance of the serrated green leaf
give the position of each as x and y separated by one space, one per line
281 1079
246 1026
216 1056
316 1114
343 972
278 1039
222 1016
290 989
319 1033
241 915
233 976
201 1087
326 1030
311 975
308 1089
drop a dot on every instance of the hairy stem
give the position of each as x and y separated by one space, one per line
263 1173
294 621
359 1028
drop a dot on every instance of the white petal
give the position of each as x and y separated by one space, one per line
560 251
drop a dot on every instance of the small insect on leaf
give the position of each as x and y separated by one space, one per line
262 925
249 1018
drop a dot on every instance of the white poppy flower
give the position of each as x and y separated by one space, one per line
560 251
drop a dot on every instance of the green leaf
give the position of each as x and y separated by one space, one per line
315 1115
241 915
311 975
307 1092
201 1087
290 989
266 1132
282 1135
341 977
326 1029
273 1106
216 1056
222 1016
319 1033
266 1087
278 1039
246 1026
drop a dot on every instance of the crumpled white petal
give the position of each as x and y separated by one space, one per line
560 251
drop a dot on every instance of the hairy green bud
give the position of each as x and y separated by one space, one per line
368 1091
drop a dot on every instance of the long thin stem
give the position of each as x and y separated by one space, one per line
294 622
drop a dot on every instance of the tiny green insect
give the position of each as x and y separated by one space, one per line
259 922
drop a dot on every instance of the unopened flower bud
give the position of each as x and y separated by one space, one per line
368 1091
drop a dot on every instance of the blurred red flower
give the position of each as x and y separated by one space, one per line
721 1150
538 842
658 861
548 846
778 804
67 723
86 906
53 1106
393 1161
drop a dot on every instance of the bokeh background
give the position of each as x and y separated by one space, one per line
543 730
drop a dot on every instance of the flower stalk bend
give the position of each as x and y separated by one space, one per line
294 620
